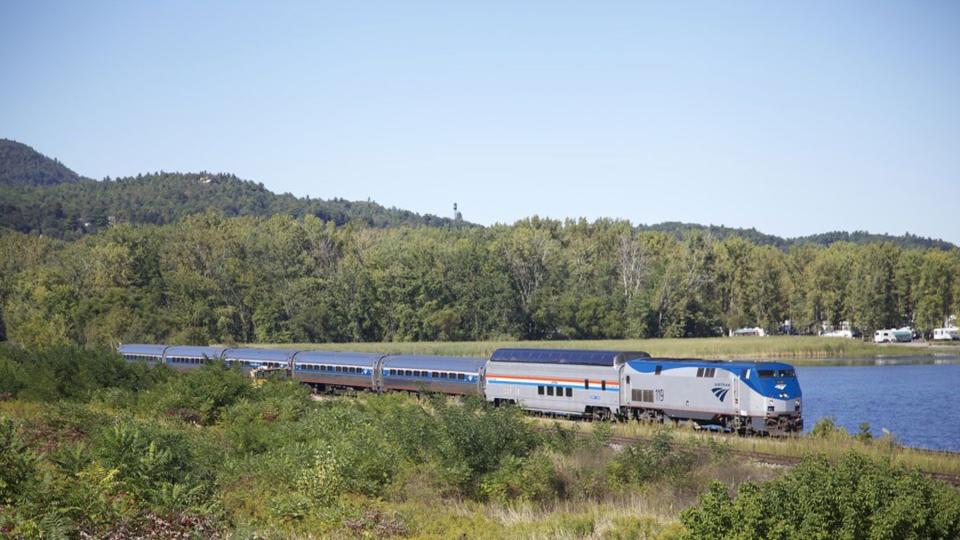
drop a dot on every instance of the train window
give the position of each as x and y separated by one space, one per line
603 385
700 372
786 373
549 390
659 369
461 376
765 373
586 384
710 372
540 390
569 392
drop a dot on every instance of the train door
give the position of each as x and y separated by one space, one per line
624 387
735 390
741 397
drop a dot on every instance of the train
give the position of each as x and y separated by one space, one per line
746 397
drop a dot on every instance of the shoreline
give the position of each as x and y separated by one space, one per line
799 350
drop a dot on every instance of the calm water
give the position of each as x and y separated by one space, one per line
917 403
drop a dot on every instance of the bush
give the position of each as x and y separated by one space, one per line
856 498
201 395
826 427
533 478
155 464
70 373
660 458
18 465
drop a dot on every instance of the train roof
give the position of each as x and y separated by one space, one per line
701 362
194 351
439 363
566 356
275 355
338 358
141 348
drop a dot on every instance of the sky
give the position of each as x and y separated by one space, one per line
791 117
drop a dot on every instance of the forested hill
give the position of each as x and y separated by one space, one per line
40 195
720 232
21 165
35 198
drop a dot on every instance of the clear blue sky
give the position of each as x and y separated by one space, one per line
791 117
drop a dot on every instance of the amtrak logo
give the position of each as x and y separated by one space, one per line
780 385
720 390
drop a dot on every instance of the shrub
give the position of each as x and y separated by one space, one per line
67 372
855 498
533 478
202 394
159 465
825 427
323 481
660 458
18 465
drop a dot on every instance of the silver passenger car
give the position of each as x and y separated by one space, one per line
444 374
250 359
325 370
187 357
558 381
141 352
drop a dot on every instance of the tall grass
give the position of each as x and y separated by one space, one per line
832 445
801 349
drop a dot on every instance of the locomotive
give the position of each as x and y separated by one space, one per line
746 397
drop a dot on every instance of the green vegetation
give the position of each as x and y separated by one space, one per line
866 500
209 278
119 450
800 349
70 210
21 165
199 258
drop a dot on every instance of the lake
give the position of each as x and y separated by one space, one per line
916 402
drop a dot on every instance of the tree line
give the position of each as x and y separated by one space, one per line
211 278
70 210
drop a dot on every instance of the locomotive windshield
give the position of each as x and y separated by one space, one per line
776 373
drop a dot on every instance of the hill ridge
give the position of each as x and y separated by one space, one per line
41 195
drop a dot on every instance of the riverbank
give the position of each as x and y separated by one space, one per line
800 350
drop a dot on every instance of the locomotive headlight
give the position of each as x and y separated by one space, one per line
769 402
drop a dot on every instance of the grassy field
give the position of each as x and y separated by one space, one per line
799 349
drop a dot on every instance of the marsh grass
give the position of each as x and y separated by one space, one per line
833 445
801 349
